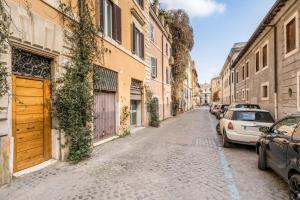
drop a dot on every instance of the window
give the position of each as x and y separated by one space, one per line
257 61
296 135
237 77
286 126
265 56
167 76
247 95
264 117
152 32
167 49
247 70
153 67
243 94
141 3
232 77
111 20
138 42
290 31
265 91
243 74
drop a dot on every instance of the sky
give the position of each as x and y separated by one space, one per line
218 24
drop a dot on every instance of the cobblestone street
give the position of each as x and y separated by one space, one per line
180 160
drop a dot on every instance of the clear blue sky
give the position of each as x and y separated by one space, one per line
217 25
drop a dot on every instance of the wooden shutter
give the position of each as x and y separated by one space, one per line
101 15
118 14
142 4
116 23
133 39
142 46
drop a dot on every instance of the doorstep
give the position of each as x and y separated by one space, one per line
135 130
105 141
34 168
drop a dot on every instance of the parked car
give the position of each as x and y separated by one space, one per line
212 107
221 111
241 125
215 109
279 148
244 105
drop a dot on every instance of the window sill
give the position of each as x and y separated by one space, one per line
265 99
287 55
264 68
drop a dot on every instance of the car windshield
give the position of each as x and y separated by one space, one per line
254 116
248 106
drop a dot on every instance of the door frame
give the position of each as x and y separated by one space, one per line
47 137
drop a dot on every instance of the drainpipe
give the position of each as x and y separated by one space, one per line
275 72
163 80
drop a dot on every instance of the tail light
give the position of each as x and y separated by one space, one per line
230 126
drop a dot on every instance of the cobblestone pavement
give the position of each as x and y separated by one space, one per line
181 160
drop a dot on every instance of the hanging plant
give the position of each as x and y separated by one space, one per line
74 100
4 36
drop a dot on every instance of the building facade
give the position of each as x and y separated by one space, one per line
188 87
36 62
195 87
267 70
158 54
205 94
227 75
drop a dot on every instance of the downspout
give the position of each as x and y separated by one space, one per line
163 80
275 73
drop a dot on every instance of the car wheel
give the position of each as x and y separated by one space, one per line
294 187
225 142
262 160
218 129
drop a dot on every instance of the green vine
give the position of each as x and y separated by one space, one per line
125 114
4 36
152 108
74 100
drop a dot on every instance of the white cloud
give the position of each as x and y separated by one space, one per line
195 8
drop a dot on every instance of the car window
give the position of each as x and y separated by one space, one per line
264 117
286 126
296 135
248 106
228 115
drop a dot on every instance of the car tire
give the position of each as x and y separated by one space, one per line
262 159
225 142
218 129
294 187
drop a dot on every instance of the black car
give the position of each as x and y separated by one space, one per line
279 149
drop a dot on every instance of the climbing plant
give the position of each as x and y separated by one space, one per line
182 32
73 99
125 114
152 108
4 36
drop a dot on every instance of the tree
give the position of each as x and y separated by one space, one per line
183 37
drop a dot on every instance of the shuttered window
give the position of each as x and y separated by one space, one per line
167 76
291 35
111 20
247 70
153 67
265 56
257 61
243 75
138 42
141 3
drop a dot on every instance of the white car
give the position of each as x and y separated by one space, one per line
241 125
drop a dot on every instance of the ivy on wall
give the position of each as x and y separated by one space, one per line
152 108
74 100
4 36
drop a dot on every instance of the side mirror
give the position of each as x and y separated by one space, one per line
265 130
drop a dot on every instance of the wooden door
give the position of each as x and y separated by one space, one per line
31 122
104 115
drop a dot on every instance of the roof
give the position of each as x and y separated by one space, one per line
265 23
248 109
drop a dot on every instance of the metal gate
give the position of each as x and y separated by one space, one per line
104 116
